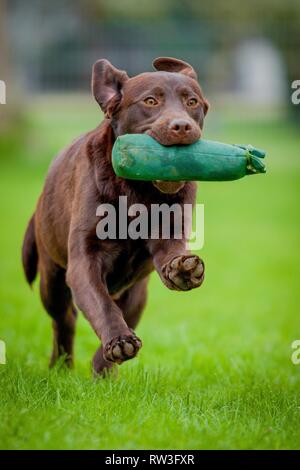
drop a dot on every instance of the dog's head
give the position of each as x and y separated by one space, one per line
167 104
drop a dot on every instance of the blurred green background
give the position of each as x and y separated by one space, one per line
215 370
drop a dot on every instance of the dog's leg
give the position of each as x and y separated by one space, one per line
86 278
132 303
57 300
176 266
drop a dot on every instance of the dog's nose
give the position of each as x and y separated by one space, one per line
180 127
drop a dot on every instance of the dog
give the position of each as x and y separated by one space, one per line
107 279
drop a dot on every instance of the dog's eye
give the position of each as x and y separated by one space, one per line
150 101
192 102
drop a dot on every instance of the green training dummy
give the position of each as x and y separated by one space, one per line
140 157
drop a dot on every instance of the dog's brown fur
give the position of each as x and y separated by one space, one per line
107 279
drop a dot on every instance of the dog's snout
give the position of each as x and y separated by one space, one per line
180 127
175 130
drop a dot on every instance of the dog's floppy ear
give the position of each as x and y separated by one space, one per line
107 82
169 64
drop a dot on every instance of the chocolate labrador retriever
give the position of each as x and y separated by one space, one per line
107 279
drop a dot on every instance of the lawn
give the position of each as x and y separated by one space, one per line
215 371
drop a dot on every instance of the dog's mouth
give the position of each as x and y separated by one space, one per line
168 187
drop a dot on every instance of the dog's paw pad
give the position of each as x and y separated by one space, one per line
184 272
122 348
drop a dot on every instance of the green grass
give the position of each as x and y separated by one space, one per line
215 369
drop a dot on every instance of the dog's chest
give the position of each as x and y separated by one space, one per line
132 264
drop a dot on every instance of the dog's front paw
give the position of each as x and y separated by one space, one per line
122 348
183 272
